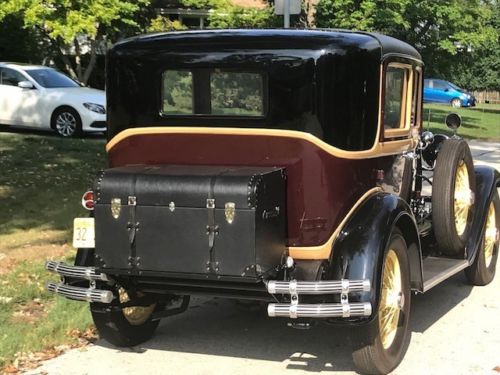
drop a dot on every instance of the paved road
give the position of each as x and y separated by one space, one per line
455 330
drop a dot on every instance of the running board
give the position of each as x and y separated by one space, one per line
436 270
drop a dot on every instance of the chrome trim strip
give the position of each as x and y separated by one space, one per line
317 287
80 294
326 310
86 273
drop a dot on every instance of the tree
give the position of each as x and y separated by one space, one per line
445 32
79 26
18 43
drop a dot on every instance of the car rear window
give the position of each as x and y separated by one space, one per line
213 93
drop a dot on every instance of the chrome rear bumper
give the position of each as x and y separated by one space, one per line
75 292
81 294
78 272
295 288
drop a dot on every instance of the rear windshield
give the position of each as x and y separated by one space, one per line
213 93
50 78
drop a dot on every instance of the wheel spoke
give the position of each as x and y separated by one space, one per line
490 235
389 306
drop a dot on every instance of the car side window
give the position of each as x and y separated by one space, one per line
440 85
9 77
396 84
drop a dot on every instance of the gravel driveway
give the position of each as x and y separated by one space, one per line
455 330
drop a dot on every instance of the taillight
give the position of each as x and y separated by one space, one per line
88 200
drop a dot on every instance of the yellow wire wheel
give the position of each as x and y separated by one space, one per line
391 299
453 196
490 235
379 348
135 315
483 269
462 198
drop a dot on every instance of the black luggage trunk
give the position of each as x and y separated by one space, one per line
191 220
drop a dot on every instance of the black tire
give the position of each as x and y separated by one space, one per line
115 328
454 154
482 271
66 122
371 355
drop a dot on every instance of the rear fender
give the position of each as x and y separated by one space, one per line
358 252
487 181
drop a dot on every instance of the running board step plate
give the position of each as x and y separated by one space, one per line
436 270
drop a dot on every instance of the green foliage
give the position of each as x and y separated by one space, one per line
62 22
450 35
225 15
18 43
161 23
238 17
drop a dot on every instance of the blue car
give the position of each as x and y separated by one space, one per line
441 91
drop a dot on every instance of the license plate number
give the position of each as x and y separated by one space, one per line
83 232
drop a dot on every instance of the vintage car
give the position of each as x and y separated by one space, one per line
286 166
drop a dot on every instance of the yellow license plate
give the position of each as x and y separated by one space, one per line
83 232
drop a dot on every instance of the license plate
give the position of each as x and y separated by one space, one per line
83 232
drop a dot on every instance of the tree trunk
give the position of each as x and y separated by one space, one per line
93 59
67 63
78 60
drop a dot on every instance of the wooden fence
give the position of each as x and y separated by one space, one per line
492 97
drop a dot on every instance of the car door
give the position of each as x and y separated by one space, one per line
18 106
441 91
11 95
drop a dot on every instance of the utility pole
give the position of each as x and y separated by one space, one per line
286 14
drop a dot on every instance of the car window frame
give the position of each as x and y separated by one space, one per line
3 68
200 98
407 101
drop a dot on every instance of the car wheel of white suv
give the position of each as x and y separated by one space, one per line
66 122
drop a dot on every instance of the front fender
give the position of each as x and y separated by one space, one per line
487 181
358 252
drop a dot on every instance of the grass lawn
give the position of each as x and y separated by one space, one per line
42 180
480 122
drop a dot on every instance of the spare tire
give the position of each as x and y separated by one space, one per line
453 194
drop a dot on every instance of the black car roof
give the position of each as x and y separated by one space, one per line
288 38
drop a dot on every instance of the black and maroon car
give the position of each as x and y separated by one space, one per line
280 165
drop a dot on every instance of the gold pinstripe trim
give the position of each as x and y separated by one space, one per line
379 149
323 251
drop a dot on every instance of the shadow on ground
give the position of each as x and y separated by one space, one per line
227 328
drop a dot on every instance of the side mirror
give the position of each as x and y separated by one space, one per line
25 85
446 90
453 121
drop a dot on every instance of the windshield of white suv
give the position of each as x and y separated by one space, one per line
50 78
